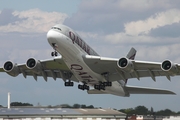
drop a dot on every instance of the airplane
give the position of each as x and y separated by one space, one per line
78 62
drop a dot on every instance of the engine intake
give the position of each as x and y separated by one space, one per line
125 64
33 64
169 67
11 68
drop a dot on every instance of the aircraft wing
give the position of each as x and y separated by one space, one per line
55 68
130 68
1 70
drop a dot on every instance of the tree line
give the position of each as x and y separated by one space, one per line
13 104
142 110
76 106
20 104
139 110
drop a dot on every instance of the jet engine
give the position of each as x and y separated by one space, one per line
11 68
125 64
169 67
34 65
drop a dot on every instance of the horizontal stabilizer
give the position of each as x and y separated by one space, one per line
144 90
94 91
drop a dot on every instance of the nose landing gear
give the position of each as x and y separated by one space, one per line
55 53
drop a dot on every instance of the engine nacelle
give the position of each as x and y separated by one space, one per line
34 65
125 64
11 68
169 67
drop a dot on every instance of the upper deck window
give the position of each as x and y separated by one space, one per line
56 28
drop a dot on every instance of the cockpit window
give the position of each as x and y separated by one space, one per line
56 28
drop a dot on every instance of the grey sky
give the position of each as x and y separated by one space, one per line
110 27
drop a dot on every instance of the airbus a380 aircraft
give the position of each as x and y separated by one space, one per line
80 63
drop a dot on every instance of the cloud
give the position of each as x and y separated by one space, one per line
19 47
167 31
110 16
7 17
149 48
30 21
158 20
124 24
123 38
159 53
144 5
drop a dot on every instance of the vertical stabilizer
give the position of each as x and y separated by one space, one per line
131 54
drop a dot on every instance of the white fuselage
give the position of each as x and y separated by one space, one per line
73 48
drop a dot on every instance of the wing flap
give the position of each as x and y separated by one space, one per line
146 90
54 64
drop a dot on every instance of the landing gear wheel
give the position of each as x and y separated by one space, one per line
71 83
55 53
52 54
87 87
68 83
83 87
109 83
102 87
79 86
99 87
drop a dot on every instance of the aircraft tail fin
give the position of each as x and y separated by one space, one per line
131 54
146 90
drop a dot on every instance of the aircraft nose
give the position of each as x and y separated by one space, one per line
54 36
51 36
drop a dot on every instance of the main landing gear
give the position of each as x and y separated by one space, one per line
102 85
69 83
83 87
55 53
